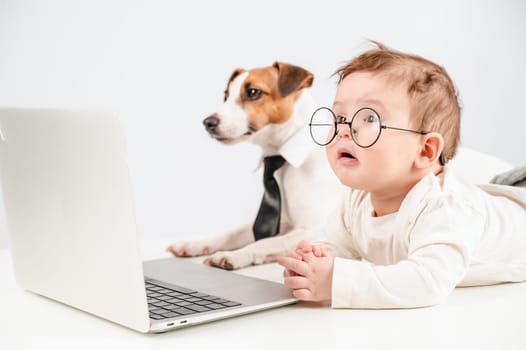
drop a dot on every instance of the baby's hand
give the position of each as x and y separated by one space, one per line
308 275
303 249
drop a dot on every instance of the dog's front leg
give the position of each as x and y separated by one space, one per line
231 240
259 252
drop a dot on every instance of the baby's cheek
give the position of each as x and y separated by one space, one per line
331 155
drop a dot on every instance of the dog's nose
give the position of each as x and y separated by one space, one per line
211 123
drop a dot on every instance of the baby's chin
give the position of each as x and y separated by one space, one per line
352 183
348 179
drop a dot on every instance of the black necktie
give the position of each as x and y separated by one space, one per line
267 220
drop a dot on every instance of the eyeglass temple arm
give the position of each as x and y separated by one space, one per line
415 131
441 158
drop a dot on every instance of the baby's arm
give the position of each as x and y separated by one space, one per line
439 253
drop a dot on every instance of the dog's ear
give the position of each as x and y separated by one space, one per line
292 78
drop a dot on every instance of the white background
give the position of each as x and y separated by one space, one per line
166 63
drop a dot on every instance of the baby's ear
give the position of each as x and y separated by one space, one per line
432 147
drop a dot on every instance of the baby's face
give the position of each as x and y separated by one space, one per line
385 166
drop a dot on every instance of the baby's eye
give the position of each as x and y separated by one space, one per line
371 118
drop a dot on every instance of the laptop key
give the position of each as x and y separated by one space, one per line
197 308
154 295
193 300
173 300
161 303
184 311
231 303
164 291
161 312
171 307
182 303
183 290
216 306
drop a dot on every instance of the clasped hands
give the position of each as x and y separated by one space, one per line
308 272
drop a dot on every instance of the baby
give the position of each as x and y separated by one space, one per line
408 231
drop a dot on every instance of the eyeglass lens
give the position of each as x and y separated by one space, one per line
365 126
323 126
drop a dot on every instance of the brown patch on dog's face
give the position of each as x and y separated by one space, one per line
268 94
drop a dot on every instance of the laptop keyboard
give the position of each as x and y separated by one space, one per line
167 301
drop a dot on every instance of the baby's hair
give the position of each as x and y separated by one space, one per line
434 101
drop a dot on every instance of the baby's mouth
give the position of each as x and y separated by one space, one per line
345 154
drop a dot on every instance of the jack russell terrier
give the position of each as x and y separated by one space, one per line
271 107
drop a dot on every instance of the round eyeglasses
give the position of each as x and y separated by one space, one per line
365 126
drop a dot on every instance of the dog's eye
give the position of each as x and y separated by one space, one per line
253 94
225 96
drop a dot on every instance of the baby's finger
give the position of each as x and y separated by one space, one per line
305 246
302 294
294 255
294 265
308 257
317 251
296 282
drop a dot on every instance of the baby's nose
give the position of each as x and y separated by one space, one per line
344 130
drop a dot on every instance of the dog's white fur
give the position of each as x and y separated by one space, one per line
309 191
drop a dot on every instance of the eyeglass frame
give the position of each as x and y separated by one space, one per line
342 120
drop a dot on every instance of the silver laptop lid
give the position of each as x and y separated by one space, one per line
69 211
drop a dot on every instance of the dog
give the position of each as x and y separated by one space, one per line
271 107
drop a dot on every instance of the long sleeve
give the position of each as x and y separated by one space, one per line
438 258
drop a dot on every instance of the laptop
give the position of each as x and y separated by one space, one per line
70 217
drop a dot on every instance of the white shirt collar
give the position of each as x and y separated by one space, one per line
297 148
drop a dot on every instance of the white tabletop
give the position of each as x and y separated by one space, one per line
491 317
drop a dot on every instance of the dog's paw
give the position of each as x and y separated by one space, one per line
229 260
188 248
